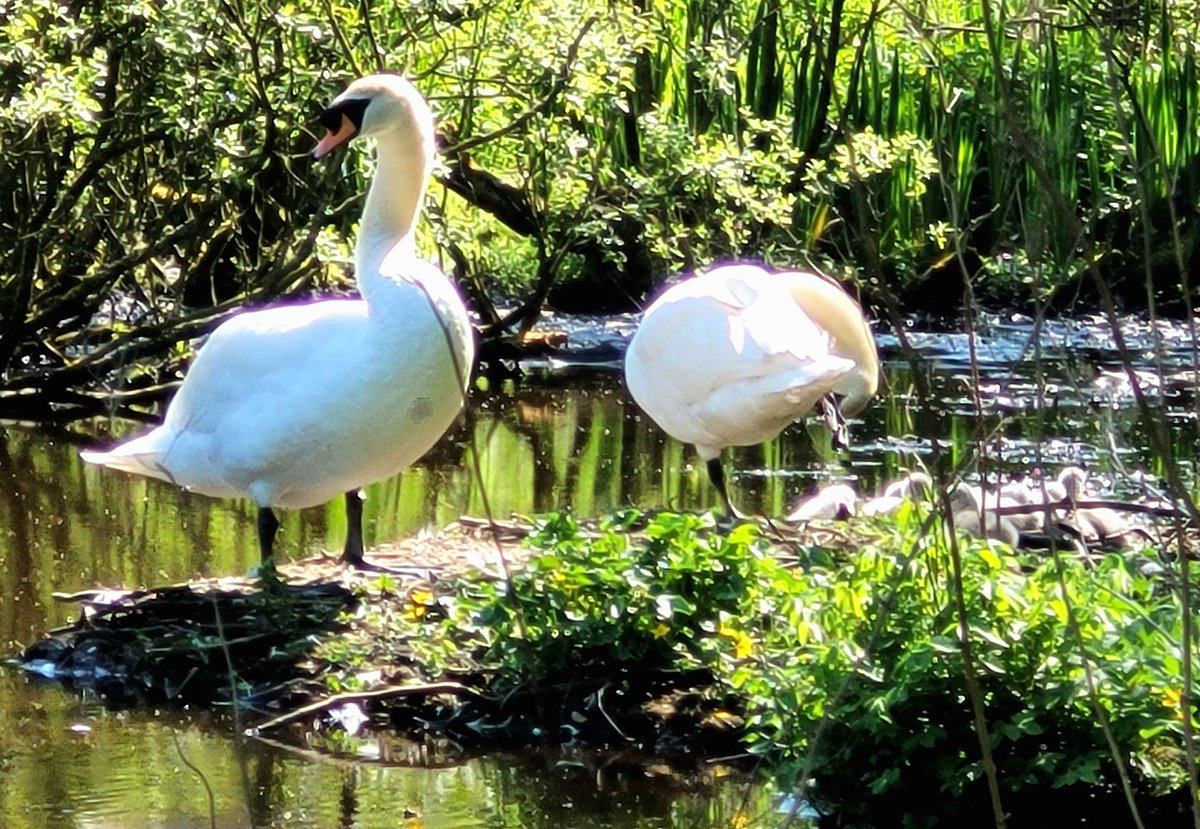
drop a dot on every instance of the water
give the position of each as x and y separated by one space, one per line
65 764
566 435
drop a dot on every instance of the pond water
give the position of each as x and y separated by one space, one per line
565 434
66 764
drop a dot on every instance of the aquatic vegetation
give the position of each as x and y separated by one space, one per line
848 660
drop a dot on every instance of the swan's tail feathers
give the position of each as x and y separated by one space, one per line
139 457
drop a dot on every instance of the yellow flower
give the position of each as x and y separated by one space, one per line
418 603
742 646
740 821
660 630
1173 699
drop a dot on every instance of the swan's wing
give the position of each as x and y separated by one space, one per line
258 353
257 372
714 330
435 291
729 358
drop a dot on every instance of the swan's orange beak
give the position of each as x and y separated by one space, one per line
333 138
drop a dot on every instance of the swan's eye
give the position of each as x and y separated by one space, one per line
331 119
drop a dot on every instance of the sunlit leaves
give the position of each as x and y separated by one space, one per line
646 153
866 643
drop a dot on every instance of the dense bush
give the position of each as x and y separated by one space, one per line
850 665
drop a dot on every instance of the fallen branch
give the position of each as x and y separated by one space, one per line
388 692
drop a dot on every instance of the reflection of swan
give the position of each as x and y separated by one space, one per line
290 406
731 357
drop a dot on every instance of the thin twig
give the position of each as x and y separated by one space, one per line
388 692
183 758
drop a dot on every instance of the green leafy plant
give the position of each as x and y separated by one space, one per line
849 666
603 600
156 173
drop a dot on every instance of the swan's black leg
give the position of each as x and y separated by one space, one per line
267 526
352 553
716 474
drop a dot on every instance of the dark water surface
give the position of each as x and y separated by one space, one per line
563 435
66 764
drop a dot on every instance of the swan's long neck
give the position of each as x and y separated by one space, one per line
393 204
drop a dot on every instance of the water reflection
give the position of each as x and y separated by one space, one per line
69 765
566 440
574 442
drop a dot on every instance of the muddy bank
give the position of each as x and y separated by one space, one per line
312 654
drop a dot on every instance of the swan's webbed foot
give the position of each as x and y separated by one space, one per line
364 566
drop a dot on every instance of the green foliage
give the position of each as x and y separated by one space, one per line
870 648
598 601
850 665
712 196
156 170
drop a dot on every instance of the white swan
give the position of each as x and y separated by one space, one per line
292 405
836 501
732 356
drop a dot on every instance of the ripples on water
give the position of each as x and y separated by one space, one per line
566 435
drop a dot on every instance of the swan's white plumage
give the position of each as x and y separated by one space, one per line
836 501
839 316
293 405
915 486
729 358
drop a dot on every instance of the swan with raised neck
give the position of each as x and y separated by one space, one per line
294 404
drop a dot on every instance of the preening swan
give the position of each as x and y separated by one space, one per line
732 356
292 405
